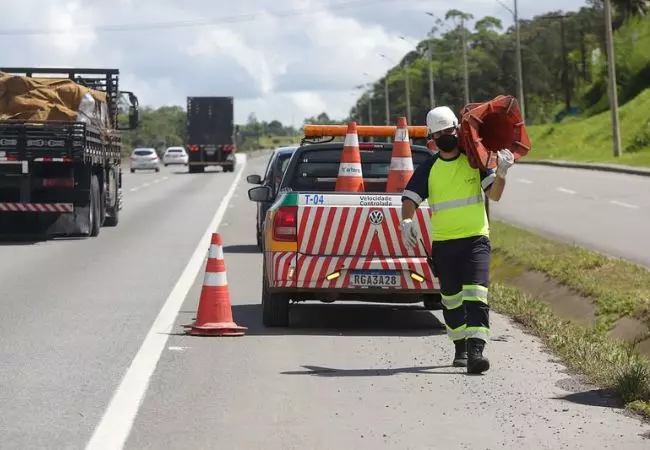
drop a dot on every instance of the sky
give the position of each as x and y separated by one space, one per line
280 59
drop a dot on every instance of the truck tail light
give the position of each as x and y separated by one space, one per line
285 224
228 148
194 148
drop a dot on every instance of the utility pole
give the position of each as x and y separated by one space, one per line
565 72
432 97
407 85
520 70
611 72
387 105
462 24
370 113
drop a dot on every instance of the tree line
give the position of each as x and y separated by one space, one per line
563 59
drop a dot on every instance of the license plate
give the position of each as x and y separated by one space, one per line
375 278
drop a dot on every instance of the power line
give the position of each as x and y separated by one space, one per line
188 23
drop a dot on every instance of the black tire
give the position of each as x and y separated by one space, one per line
433 302
157 169
275 307
95 207
132 170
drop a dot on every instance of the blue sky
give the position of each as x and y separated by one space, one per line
281 60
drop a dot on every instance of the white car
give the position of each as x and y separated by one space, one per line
175 155
145 159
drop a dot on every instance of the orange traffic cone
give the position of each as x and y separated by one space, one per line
401 163
350 178
214 317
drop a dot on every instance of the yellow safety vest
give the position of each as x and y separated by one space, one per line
457 200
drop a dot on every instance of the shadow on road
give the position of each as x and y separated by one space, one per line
20 240
605 398
344 320
330 372
247 248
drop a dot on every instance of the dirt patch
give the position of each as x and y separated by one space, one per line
570 305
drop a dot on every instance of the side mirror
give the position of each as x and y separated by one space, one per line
254 179
260 194
134 119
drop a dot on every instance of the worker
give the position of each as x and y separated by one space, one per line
460 251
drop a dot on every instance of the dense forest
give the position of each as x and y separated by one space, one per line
563 59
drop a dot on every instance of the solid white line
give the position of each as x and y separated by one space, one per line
115 426
566 191
625 205
133 189
523 180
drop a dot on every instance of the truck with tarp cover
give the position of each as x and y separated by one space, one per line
61 149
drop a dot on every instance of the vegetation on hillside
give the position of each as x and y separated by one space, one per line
550 90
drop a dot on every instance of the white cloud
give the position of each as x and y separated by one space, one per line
280 60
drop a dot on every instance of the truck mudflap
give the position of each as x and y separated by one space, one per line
36 207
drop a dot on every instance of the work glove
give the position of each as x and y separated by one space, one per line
505 160
409 233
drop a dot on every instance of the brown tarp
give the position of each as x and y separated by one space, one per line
25 98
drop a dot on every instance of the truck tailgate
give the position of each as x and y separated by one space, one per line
353 241
357 226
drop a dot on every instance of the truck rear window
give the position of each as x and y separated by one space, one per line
317 170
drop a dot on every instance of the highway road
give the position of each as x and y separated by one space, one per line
607 212
93 352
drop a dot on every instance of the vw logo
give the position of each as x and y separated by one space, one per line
376 217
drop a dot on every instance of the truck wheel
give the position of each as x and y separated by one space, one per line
275 307
113 213
95 207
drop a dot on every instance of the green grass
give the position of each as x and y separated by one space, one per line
616 287
278 141
589 140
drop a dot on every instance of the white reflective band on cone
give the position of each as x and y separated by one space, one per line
216 251
401 163
350 170
215 279
351 140
401 135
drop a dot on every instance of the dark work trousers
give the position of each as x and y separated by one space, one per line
463 269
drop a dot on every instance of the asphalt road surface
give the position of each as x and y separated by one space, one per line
607 212
93 352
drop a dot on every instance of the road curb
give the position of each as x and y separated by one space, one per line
590 166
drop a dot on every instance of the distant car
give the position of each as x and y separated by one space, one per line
145 159
175 155
273 173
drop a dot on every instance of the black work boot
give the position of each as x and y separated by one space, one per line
476 362
460 357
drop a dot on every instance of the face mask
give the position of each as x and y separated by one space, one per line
447 142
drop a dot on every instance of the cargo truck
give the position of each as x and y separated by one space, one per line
60 169
211 133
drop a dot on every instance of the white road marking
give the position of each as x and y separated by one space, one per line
624 205
525 181
175 348
116 423
134 189
566 191
165 177
157 180
145 185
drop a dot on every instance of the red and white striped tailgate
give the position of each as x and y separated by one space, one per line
345 231
37 207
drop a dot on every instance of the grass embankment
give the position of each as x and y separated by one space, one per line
590 140
278 141
616 292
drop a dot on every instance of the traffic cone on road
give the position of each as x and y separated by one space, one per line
214 317
401 163
350 177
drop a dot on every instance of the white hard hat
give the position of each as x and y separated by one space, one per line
440 118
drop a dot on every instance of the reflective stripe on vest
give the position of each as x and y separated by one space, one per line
457 203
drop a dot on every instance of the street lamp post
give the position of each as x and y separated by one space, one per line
519 63
611 72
